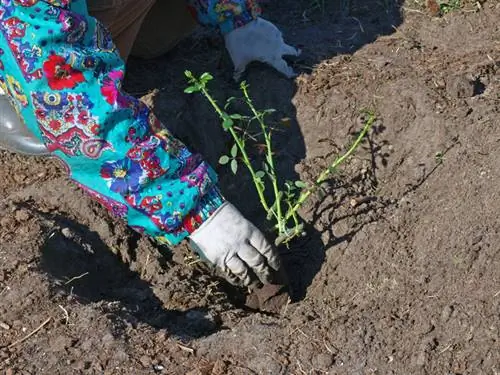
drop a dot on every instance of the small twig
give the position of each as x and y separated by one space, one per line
210 288
244 368
144 270
355 202
445 349
285 309
76 278
31 334
306 336
412 10
193 262
353 36
433 296
185 348
328 348
359 23
300 367
66 315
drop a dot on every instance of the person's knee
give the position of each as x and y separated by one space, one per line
123 19
165 26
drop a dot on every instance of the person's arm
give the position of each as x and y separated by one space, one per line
224 15
64 75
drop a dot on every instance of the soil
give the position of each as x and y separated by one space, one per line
399 272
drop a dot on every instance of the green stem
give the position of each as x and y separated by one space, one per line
270 160
241 147
324 175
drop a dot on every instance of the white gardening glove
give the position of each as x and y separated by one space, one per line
236 246
259 40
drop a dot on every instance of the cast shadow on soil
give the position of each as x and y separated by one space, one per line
305 258
83 268
341 27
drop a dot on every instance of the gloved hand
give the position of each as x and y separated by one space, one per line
236 246
259 40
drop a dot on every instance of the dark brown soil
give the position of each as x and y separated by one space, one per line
400 270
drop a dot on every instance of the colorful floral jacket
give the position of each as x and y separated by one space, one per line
64 75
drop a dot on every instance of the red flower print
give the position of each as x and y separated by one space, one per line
61 75
40 114
151 205
15 27
112 89
69 118
192 222
27 3
83 117
55 125
95 129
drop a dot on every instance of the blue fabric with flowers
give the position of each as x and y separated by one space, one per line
225 15
64 75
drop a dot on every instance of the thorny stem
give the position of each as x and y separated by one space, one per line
241 147
324 175
269 158
284 234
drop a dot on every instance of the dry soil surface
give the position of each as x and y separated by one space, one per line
400 270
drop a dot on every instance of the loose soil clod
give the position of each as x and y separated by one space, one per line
270 298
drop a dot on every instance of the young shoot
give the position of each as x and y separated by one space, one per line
287 198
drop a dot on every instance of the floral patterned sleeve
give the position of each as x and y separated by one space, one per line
225 15
64 76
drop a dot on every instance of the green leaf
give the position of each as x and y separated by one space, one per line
234 150
243 85
192 89
289 185
229 101
205 77
234 166
227 123
260 174
188 74
300 184
236 116
224 159
261 184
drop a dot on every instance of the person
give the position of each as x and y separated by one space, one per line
62 63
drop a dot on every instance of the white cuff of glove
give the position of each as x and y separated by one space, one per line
236 246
